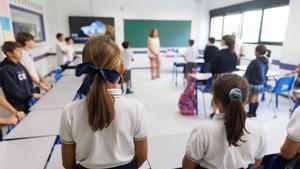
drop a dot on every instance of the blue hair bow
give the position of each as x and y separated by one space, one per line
91 70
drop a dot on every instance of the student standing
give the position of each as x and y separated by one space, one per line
256 74
153 44
127 60
229 141
225 60
13 119
238 48
190 57
27 41
14 78
210 53
105 129
61 51
70 50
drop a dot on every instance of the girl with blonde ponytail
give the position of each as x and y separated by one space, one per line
105 129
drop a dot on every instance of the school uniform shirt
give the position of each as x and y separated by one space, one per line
210 52
256 72
224 62
208 145
191 54
28 62
112 146
238 46
127 59
70 55
293 127
155 44
16 83
60 47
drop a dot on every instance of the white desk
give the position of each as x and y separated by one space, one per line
76 62
180 60
201 76
270 73
69 72
70 79
58 97
37 123
26 153
56 160
167 151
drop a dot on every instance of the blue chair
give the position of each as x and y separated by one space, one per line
297 104
283 84
204 88
57 74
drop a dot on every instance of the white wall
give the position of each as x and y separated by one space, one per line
195 10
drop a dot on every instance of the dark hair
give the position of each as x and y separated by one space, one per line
262 50
191 42
126 44
58 35
23 37
104 53
151 34
67 39
10 46
235 114
212 40
229 41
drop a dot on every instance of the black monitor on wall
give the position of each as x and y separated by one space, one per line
83 28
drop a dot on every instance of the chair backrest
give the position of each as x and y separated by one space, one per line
284 84
208 85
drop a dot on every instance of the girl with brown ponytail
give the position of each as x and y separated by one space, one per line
105 129
229 140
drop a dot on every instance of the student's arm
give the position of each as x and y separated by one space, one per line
188 164
10 120
251 67
290 148
141 151
150 47
4 103
68 152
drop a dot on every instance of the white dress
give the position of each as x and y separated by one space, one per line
155 44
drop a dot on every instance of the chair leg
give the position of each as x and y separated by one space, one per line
276 101
204 105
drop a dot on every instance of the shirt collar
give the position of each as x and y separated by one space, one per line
115 92
219 116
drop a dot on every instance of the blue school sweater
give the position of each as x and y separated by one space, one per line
224 62
256 72
16 83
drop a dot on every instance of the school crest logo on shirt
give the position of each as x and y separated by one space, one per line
22 75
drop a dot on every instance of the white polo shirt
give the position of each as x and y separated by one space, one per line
208 145
293 127
127 58
70 55
191 54
28 62
111 147
60 47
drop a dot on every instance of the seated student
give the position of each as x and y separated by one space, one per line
256 74
70 50
61 51
14 78
13 119
229 140
210 52
127 59
291 147
296 92
105 129
27 41
226 59
190 56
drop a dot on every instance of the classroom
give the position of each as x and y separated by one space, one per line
160 84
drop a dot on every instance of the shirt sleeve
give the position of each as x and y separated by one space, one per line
65 130
141 126
293 127
262 149
195 147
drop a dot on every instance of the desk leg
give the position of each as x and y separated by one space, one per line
196 90
176 74
173 73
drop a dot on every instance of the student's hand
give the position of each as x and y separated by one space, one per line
45 85
132 59
11 120
20 115
37 95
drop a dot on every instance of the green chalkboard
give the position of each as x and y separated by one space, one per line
171 33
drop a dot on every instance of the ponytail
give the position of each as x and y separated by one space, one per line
232 91
230 42
262 50
269 52
100 105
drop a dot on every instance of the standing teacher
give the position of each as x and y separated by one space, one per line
153 45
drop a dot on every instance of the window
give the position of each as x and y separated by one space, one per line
216 26
274 24
232 24
251 26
